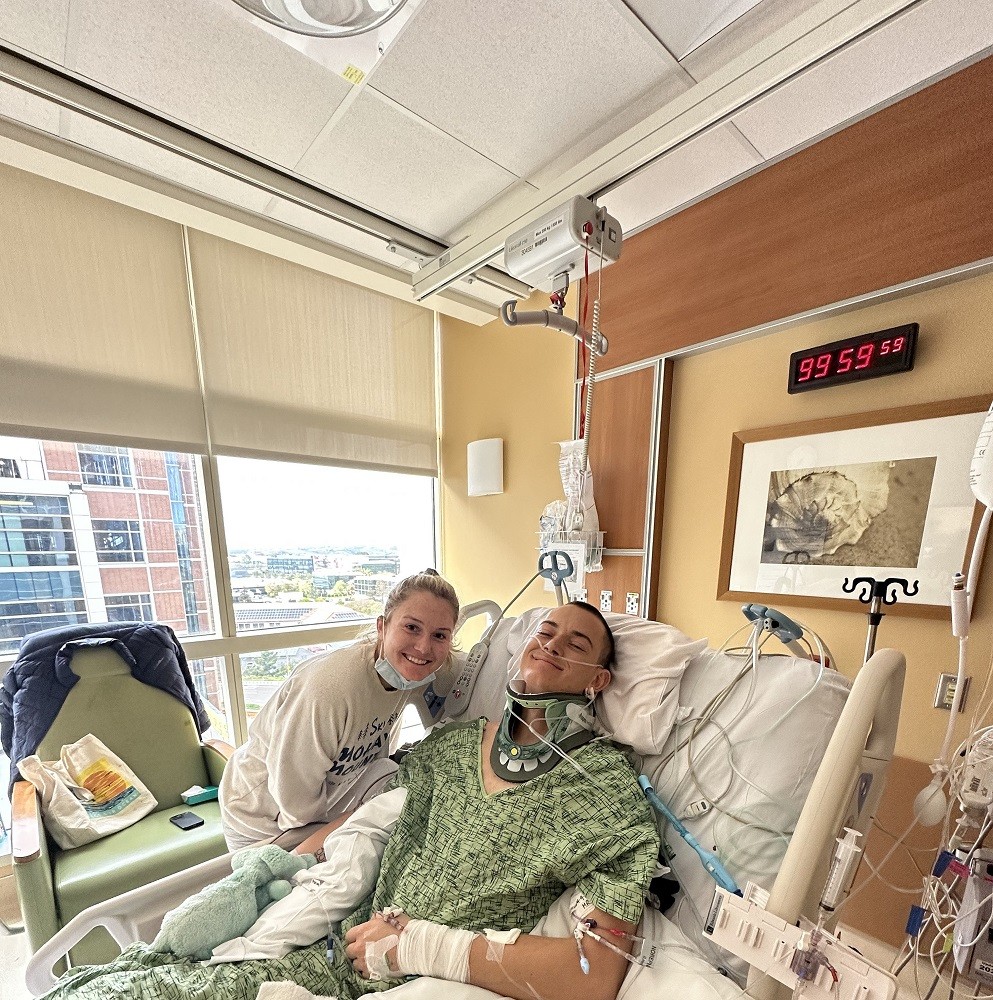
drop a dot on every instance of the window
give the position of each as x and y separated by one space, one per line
32 601
318 545
129 608
105 465
141 541
36 531
94 533
118 541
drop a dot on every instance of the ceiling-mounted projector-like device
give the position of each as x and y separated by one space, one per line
557 244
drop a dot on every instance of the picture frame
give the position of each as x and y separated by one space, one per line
880 494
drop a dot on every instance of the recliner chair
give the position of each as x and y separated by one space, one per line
156 735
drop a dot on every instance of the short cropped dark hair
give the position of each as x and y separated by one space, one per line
608 663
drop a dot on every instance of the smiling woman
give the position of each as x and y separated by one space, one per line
312 749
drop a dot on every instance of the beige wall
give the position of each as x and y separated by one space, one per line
744 386
516 384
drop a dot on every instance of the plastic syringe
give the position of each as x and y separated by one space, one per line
846 856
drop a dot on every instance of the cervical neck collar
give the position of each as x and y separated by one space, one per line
569 722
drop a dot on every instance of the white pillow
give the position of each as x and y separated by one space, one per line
640 705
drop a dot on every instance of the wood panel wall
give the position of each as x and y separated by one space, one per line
904 193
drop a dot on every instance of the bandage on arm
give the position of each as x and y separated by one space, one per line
429 949
326 893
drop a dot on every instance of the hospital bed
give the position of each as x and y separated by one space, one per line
793 752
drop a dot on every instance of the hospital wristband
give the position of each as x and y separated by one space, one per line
430 949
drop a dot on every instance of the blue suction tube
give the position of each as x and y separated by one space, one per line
708 859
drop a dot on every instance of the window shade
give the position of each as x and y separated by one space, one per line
97 342
95 330
299 364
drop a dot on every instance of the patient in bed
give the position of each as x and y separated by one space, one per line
491 823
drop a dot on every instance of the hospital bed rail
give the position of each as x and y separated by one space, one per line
862 744
846 792
132 916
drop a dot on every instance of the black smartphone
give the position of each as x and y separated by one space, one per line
186 820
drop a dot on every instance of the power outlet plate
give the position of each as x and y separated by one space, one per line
944 693
631 604
606 600
581 594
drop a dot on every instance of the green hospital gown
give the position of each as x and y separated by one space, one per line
534 840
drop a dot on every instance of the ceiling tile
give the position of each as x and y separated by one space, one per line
681 27
28 109
678 82
739 36
200 63
520 80
161 162
36 25
383 157
904 52
681 176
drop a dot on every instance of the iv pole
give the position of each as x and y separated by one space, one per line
876 593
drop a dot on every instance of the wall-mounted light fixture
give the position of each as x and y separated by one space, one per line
484 460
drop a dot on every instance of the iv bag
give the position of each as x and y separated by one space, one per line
577 484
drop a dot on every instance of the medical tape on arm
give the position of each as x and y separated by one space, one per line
326 893
430 949
496 941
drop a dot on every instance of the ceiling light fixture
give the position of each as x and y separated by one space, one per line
325 18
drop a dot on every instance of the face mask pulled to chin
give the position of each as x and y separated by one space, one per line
396 680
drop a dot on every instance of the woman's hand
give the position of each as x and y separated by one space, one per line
374 929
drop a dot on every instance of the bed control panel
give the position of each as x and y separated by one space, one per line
772 946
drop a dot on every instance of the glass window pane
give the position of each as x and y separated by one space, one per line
129 608
105 465
118 541
262 673
93 533
314 544
208 677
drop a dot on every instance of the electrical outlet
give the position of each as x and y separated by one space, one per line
944 693
631 604
606 600
580 594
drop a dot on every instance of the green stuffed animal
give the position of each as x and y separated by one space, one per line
227 909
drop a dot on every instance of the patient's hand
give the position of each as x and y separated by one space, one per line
376 929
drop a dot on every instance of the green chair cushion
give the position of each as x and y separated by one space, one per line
154 733
150 849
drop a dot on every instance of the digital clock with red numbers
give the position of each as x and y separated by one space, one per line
867 356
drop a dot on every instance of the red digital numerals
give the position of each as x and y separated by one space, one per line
848 359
